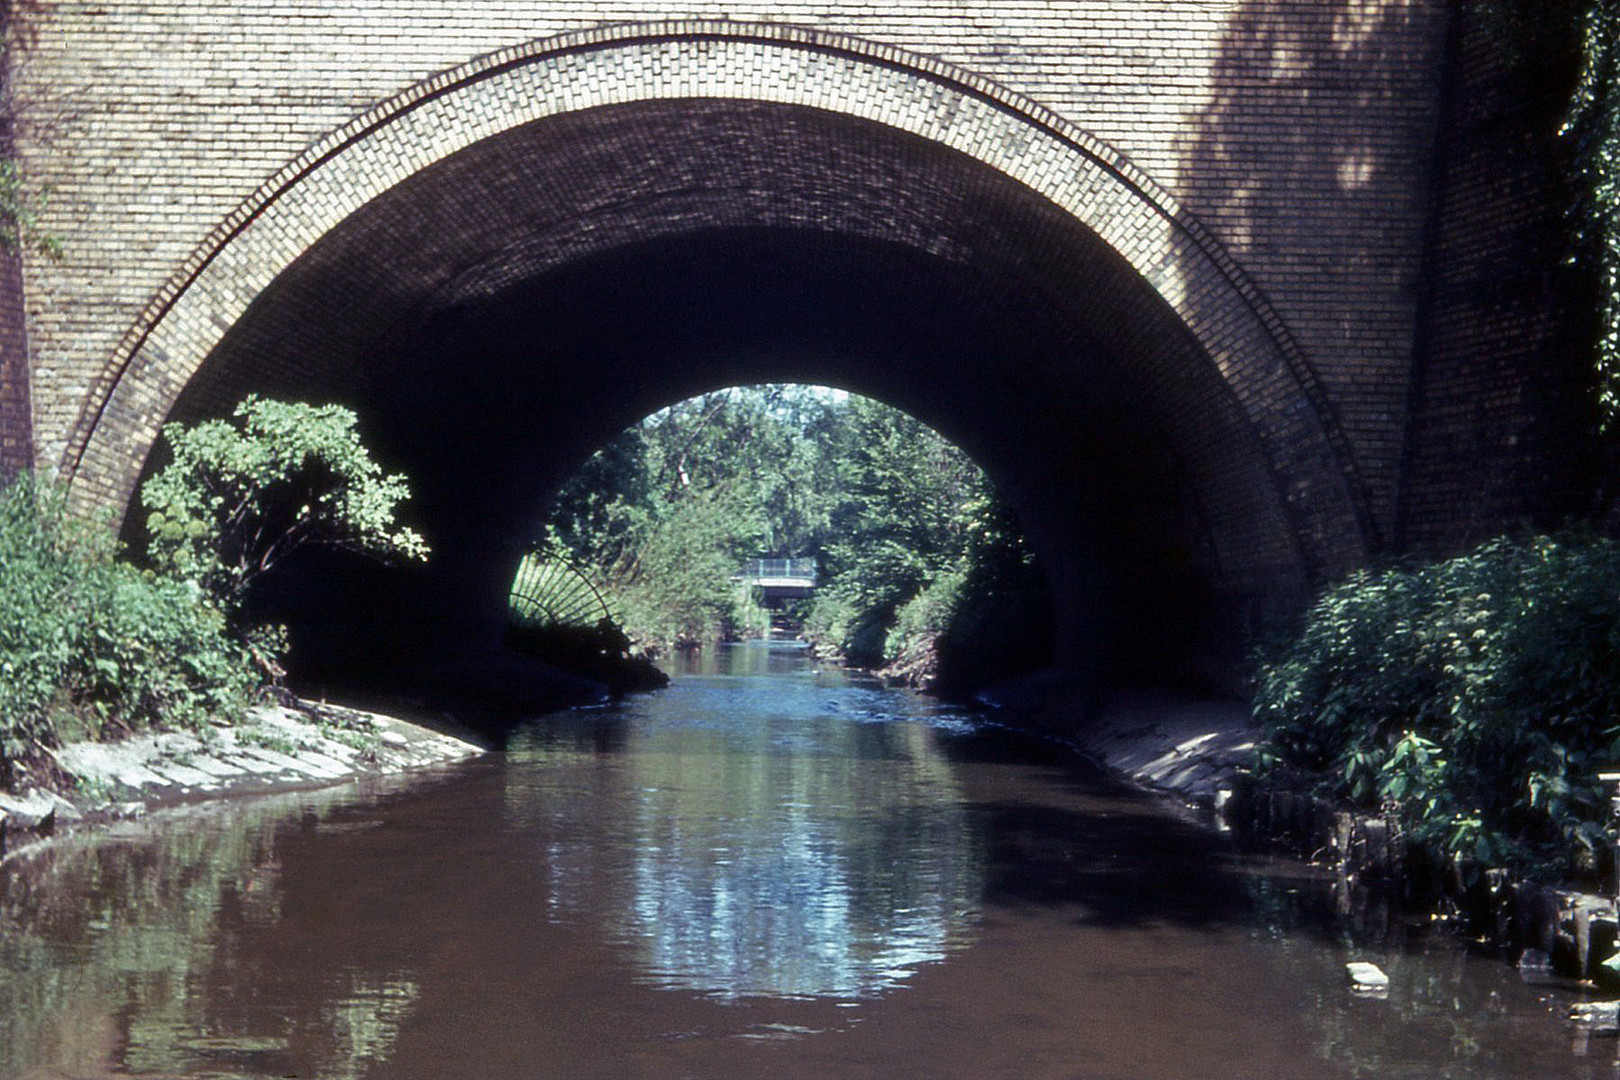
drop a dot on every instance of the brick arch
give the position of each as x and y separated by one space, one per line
1234 325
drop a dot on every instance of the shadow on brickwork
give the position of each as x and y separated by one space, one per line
16 411
1389 174
1504 403
1307 164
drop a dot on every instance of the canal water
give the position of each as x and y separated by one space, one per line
766 870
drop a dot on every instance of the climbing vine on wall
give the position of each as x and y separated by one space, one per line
20 204
1594 126
19 216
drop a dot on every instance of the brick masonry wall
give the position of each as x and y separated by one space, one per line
1298 131
1503 396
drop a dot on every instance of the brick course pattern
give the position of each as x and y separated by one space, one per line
1503 393
354 165
1262 164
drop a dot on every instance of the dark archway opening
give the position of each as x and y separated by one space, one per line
498 316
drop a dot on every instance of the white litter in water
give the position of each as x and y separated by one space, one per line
1367 978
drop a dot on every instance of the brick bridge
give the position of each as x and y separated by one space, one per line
1229 295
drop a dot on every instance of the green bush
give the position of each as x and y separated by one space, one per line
156 652
1475 698
828 622
92 646
675 589
240 495
750 618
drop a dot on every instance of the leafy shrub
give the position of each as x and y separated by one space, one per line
829 622
90 645
157 652
750 618
1476 698
675 589
40 596
242 494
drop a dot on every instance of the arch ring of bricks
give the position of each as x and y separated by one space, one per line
1236 326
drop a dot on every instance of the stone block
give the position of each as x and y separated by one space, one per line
1595 928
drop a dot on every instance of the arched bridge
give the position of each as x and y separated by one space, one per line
1175 274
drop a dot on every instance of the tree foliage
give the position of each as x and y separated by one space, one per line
1476 698
240 495
910 535
667 511
900 523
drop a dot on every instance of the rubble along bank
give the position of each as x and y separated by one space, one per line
276 748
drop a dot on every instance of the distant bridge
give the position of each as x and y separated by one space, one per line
779 579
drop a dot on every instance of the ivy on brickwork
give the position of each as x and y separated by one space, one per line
19 216
1594 127
20 207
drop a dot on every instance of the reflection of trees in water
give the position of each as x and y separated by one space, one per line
765 871
121 952
766 847
364 1024
743 658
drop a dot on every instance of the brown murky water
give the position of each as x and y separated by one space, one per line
764 871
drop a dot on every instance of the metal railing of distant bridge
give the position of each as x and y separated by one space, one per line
797 570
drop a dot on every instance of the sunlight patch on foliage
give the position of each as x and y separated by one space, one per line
242 494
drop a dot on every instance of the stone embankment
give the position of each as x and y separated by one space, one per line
277 748
1190 747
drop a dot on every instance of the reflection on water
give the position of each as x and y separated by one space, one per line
797 836
119 951
685 884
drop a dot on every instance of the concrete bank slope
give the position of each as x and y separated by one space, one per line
1176 743
1187 746
276 748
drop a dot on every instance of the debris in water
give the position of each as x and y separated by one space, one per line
1599 1017
1367 978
